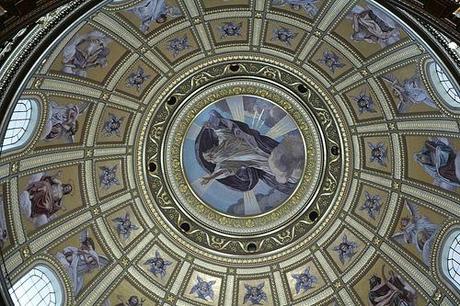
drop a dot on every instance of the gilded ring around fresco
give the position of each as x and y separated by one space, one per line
243 155
169 192
237 175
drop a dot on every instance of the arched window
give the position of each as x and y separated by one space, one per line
447 90
21 124
450 258
447 84
39 287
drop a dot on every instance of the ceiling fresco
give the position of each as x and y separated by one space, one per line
235 152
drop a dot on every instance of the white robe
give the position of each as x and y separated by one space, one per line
77 266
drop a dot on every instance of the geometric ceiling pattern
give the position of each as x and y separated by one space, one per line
236 152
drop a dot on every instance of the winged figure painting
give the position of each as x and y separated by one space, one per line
63 121
409 92
80 261
418 230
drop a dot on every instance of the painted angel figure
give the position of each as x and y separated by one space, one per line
137 78
378 152
365 103
124 226
409 92
309 6
284 35
81 260
86 51
439 160
331 60
178 44
230 29
108 176
304 281
150 11
113 125
133 300
238 156
392 290
203 289
373 26
371 205
255 295
158 265
43 198
346 249
63 121
417 230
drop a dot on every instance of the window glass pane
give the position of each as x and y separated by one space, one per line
448 87
453 259
38 287
21 124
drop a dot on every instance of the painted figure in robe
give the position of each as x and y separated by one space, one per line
63 121
81 260
439 159
43 198
238 156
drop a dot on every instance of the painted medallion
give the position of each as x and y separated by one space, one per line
243 156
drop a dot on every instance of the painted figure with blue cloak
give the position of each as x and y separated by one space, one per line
239 157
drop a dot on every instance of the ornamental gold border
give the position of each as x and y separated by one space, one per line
164 208
297 201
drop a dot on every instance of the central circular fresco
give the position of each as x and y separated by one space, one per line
243 155
243 160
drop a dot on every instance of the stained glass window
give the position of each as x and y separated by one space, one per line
39 287
21 124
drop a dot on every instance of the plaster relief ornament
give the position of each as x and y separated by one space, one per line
304 281
230 29
86 51
373 26
133 300
255 295
150 11
309 6
365 103
409 93
3 226
378 153
439 159
346 249
137 78
253 156
203 289
108 176
124 226
417 230
391 290
62 121
284 35
178 44
331 61
43 198
81 260
113 126
158 265
372 205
